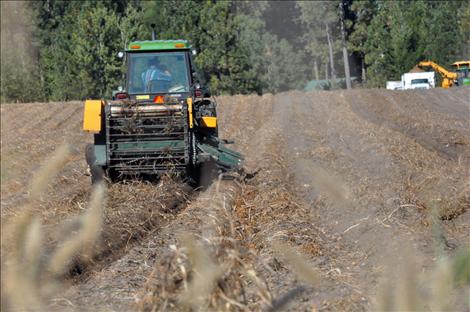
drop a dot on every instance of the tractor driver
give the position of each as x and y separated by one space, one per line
156 71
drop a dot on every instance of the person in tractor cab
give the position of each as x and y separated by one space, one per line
157 77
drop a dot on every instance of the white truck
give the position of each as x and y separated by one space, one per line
394 85
422 80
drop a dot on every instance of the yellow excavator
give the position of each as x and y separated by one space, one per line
450 78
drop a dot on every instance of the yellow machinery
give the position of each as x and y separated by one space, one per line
461 65
449 78
463 72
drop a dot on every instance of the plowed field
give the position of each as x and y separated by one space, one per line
350 180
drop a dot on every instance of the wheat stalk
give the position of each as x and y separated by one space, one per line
206 273
25 282
89 232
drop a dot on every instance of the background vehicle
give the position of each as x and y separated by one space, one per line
424 80
449 78
463 72
163 120
394 85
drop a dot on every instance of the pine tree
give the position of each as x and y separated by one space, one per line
441 39
363 11
78 41
284 66
320 20
216 31
378 47
463 21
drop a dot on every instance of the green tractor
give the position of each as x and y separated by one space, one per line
162 121
462 69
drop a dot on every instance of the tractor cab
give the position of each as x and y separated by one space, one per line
158 68
463 72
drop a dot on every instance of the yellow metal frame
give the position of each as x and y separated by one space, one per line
92 115
190 112
209 122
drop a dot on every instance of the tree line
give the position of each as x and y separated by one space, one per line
65 50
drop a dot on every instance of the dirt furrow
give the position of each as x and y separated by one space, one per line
346 178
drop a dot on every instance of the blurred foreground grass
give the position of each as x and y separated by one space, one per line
32 271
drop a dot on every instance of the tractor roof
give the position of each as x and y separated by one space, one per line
461 64
155 45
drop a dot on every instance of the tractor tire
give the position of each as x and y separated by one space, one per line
96 171
113 176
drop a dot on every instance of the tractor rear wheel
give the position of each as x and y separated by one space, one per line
96 171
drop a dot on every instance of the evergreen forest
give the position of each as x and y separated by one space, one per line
67 50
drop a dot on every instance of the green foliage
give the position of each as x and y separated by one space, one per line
214 29
20 79
364 12
59 50
402 33
78 56
442 39
223 58
463 20
285 67
377 49
80 60
320 21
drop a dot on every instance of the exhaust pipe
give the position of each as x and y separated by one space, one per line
153 31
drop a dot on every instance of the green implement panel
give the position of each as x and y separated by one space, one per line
100 155
225 158
154 45
149 145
